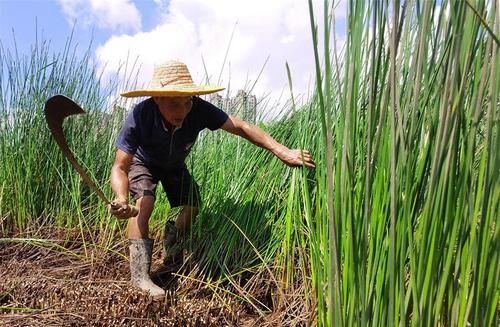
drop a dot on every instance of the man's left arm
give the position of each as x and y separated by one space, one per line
257 136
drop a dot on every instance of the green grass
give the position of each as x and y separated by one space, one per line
415 182
397 225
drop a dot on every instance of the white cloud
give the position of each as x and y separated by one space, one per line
192 29
117 15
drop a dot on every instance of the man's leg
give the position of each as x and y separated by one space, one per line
138 227
174 232
142 187
184 218
182 191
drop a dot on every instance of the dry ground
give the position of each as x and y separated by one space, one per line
59 280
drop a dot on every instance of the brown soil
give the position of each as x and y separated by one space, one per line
63 281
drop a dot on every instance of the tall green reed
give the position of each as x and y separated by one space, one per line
38 184
415 114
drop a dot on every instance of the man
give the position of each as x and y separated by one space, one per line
152 145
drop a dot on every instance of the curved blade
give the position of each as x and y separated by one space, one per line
57 108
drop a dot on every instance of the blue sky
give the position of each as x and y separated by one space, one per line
23 18
265 32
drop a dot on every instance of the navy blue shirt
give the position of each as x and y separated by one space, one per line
145 134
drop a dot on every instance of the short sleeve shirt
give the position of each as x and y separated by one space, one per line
145 135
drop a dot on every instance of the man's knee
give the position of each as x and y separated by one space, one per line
138 226
146 205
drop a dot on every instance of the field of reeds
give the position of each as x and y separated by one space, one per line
396 225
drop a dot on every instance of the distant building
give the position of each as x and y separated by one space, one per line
216 100
243 105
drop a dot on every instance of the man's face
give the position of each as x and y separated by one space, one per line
174 109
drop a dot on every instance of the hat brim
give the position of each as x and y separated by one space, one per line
174 91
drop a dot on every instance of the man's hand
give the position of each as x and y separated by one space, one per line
121 209
119 183
297 157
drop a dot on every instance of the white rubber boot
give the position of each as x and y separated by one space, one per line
140 264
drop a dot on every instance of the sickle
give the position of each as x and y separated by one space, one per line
57 108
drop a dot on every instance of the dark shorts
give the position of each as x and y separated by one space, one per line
178 183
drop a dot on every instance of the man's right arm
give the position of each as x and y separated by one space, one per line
119 183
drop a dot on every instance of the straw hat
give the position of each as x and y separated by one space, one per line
172 78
